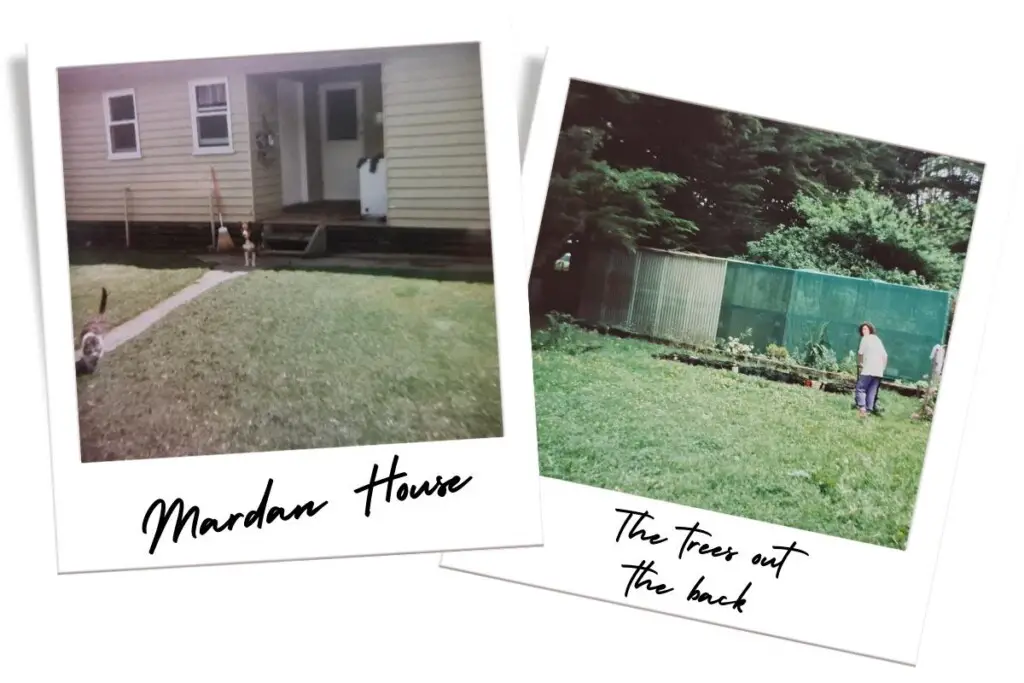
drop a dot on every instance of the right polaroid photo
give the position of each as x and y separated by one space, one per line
755 321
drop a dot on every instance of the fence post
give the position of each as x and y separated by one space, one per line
606 256
636 258
127 236
213 225
662 262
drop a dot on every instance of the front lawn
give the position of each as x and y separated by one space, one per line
279 360
136 281
614 417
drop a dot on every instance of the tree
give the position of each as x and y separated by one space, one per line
741 172
866 234
715 182
918 178
593 203
811 162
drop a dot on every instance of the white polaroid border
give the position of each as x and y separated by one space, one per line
99 507
845 595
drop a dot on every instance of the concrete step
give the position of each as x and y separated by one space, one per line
301 242
289 237
283 252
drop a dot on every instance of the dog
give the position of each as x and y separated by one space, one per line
248 246
91 340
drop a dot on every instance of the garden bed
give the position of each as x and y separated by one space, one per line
780 372
757 366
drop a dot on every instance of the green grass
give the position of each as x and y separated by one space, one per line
136 281
616 418
280 360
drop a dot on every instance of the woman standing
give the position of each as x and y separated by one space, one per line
871 361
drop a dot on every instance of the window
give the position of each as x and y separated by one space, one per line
122 124
211 116
342 115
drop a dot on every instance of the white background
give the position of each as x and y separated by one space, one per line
381 618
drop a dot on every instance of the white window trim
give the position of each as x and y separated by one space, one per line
111 154
193 106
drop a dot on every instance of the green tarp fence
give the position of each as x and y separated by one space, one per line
756 298
694 299
790 308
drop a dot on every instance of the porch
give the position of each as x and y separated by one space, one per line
319 229
319 138
302 229
320 180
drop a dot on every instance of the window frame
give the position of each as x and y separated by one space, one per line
106 97
197 150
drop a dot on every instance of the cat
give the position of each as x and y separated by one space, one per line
91 339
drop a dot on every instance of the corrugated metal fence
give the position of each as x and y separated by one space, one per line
659 294
697 299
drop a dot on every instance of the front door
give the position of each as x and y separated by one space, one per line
341 126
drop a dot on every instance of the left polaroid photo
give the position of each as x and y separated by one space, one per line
273 275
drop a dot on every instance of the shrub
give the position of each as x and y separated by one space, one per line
776 352
825 360
562 335
737 346
926 410
818 352
868 234
848 365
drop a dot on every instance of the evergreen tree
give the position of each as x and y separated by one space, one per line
594 203
635 169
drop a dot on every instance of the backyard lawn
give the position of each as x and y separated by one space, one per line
279 360
616 418
135 281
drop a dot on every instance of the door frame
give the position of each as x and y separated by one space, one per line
302 136
322 90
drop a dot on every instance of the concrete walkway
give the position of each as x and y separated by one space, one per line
137 325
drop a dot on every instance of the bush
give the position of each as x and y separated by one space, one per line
869 235
848 365
563 335
737 346
776 352
818 352
926 410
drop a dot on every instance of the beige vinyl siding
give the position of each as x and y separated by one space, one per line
266 175
434 138
168 183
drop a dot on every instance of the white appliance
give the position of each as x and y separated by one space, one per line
373 189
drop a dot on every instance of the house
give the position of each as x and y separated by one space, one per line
384 138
